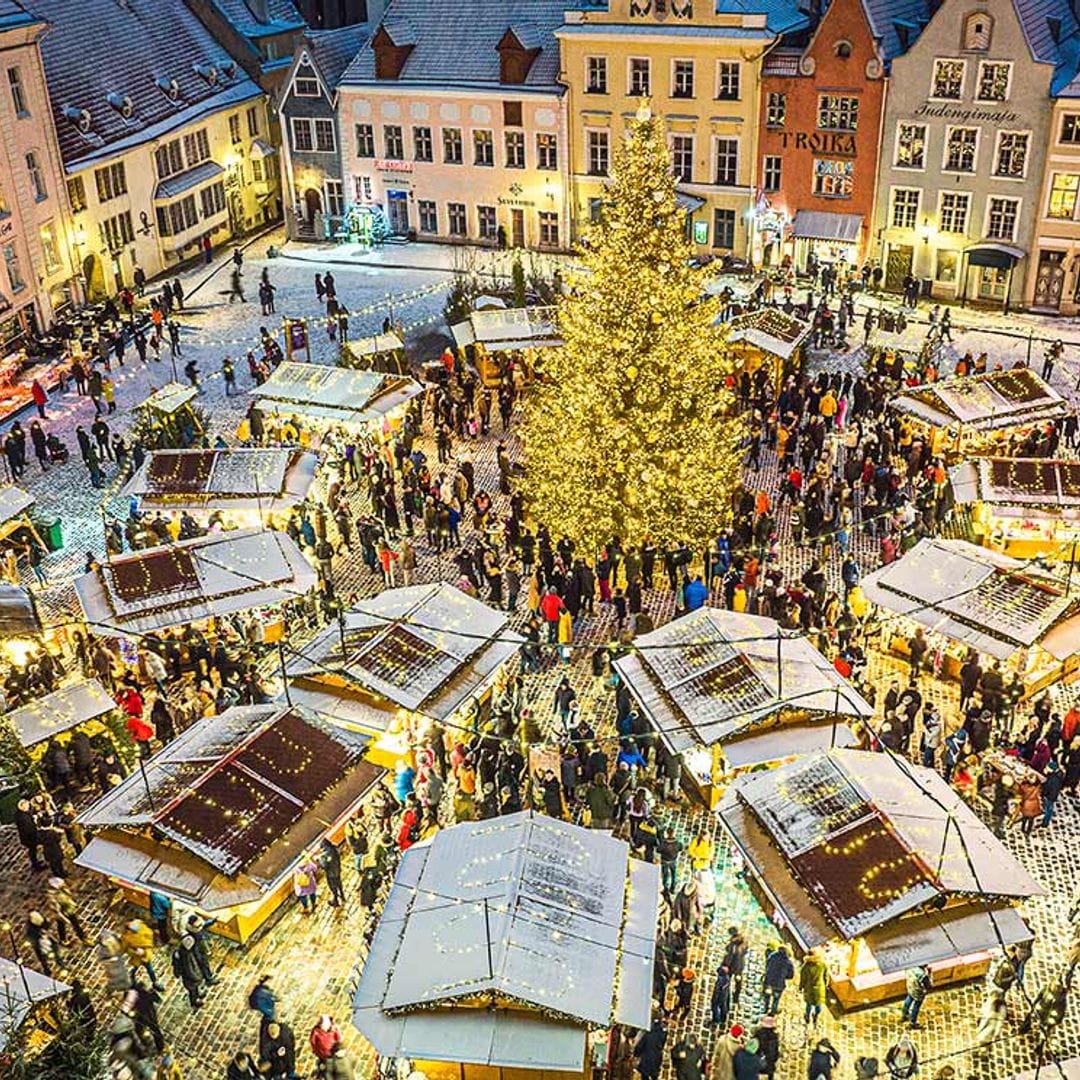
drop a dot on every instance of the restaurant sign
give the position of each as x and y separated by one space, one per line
390 165
820 142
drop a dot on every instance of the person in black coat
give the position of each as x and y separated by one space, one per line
26 827
242 1068
330 861
186 968
277 1050
53 847
768 1044
649 1050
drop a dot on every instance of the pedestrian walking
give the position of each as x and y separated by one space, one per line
813 982
305 884
330 862
918 986
779 971
186 968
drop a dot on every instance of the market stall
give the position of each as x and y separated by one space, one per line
218 819
494 338
503 943
972 597
244 487
194 581
26 998
15 504
375 352
894 339
324 397
168 418
79 705
403 660
1025 507
730 691
769 337
880 865
979 413
19 619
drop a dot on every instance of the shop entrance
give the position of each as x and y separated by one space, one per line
898 266
1050 280
397 211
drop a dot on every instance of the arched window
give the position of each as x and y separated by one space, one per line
978 27
842 49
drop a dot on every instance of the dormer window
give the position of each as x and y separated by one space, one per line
79 117
842 49
207 72
122 104
306 85
169 87
518 48
978 28
392 44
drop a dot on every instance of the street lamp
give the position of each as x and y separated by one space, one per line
7 928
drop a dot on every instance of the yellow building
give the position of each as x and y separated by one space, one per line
165 146
699 64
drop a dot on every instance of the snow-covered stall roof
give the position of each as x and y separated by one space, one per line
60 711
170 398
15 1004
553 922
1046 485
769 329
712 674
209 576
511 328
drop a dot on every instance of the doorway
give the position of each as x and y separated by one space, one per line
397 210
517 228
312 204
1050 280
94 276
898 266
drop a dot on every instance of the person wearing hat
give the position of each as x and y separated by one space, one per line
902 1059
684 992
1051 790
747 1064
1004 790
186 969
768 1045
727 1046
242 1068
824 1058
813 979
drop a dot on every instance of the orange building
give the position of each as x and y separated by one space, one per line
820 126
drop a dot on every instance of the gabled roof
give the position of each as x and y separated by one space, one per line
781 16
887 17
161 40
458 43
283 17
1035 19
331 51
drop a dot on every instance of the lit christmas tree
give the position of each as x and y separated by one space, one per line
631 433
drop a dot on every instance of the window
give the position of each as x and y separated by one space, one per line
213 199
905 208
423 149
234 129
257 172
776 110
596 75
18 96
325 139
393 142
168 159
456 212
37 177
842 49
489 225
682 79
14 272
335 198
515 149
452 150
836 113
946 266
834 179
3 204
597 143
48 246
638 83
429 216
253 121
547 152
362 187
76 188
306 86
727 80
117 231
1011 157
682 157
197 146
978 27
1001 218
549 228
1070 128
365 141
948 80
953 212
483 148
911 146
303 134
994 78
111 181
723 234
511 114
961 147
773 172
727 162
1063 192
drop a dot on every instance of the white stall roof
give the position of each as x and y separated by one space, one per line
15 1005
59 711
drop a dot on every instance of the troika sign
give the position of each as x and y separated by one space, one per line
820 142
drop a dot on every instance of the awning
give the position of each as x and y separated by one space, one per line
170 398
18 616
988 253
260 148
15 1005
821 225
185 181
939 935
59 711
688 202
786 741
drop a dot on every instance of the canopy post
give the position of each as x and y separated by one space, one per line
779 666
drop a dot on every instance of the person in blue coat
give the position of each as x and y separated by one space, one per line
695 594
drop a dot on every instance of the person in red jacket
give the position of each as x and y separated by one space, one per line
551 607
131 701
324 1037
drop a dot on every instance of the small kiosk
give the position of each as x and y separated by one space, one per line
879 865
375 352
80 705
218 819
1026 507
494 337
247 487
972 597
169 418
504 944
729 691
27 998
403 661
979 413
767 336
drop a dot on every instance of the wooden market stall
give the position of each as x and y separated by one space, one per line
402 661
326 397
169 417
979 413
503 944
912 344
27 998
375 352
770 337
82 704
246 487
219 818
729 691
195 581
492 338
879 864
15 505
1025 507
977 598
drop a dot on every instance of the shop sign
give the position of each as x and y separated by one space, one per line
7 227
701 232
297 336
514 197
820 142
388 165
953 112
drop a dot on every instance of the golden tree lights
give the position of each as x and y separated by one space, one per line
631 433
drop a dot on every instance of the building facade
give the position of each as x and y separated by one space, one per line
700 67
820 123
456 127
36 276
967 123
164 150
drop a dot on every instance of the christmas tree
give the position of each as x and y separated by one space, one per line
631 431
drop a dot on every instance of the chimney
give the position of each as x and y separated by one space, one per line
389 56
260 10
